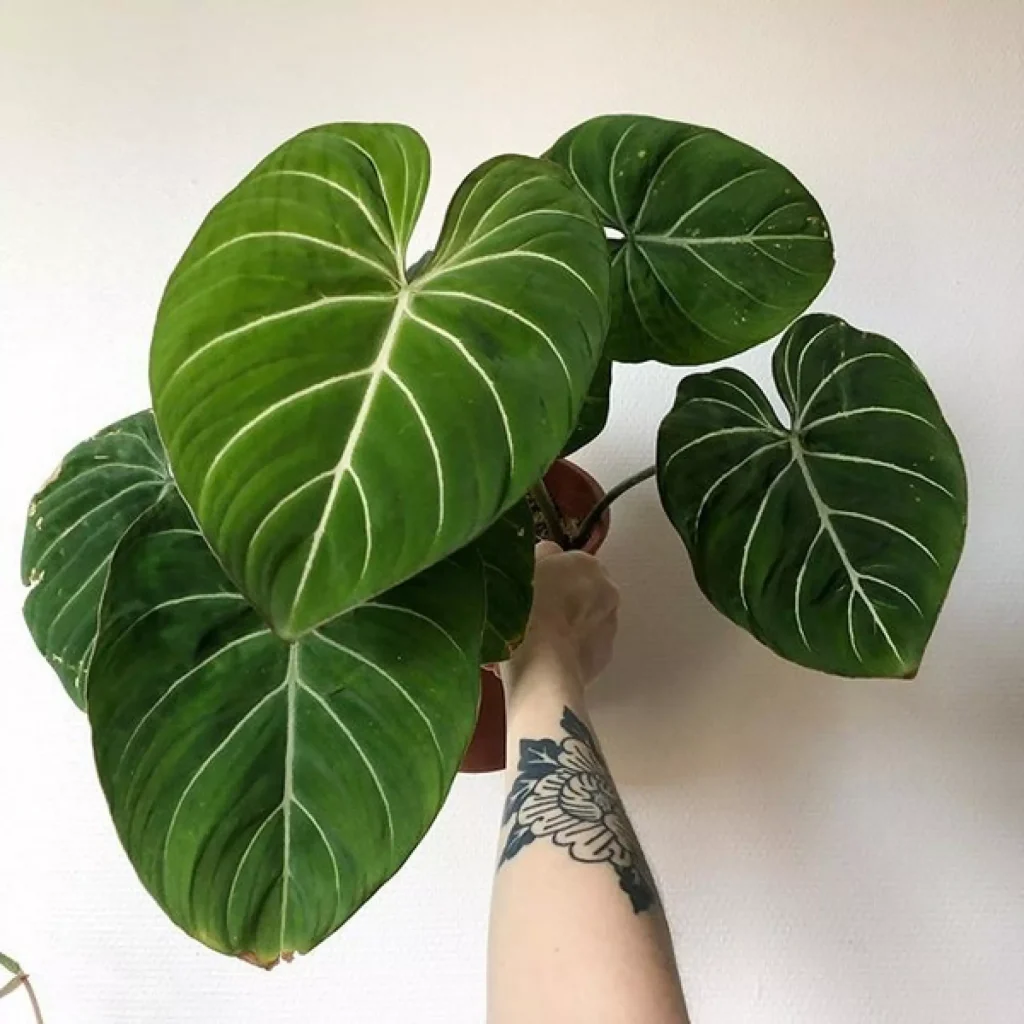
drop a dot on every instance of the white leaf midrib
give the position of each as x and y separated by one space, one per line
291 686
268 411
381 366
377 373
825 519
746 239
291 683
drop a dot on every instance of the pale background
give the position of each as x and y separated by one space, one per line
829 852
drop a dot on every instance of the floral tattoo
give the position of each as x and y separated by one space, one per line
564 793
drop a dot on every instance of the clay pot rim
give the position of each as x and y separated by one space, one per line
599 534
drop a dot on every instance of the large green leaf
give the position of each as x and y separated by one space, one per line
335 426
594 414
100 488
265 789
720 248
833 541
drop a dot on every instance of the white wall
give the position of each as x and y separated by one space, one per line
840 852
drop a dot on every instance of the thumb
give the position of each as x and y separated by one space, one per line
545 549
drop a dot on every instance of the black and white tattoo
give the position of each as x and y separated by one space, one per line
564 793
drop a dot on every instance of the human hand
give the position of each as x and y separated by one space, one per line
572 625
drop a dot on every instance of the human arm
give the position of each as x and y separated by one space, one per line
577 930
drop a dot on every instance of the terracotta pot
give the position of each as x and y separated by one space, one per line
575 492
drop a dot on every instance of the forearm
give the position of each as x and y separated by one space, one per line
577 931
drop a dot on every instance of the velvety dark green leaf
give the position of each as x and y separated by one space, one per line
265 789
337 426
594 414
833 541
721 247
507 552
100 488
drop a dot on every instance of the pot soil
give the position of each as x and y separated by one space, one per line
575 492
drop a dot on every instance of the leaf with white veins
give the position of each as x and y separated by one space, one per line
264 789
74 523
720 248
337 426
833 541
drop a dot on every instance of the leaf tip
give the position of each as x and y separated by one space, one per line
264 964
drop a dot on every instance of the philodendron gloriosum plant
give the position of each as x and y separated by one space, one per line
273 592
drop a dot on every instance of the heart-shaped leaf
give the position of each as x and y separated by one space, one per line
594 414
335 426
100 488
833 542
720 248
265 789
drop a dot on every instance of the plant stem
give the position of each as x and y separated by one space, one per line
594 516
20 980
11 986
553 521
32 999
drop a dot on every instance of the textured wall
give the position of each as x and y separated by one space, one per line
829 851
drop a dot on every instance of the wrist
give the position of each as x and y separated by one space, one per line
539 674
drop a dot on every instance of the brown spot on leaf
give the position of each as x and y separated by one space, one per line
266 965
53 476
